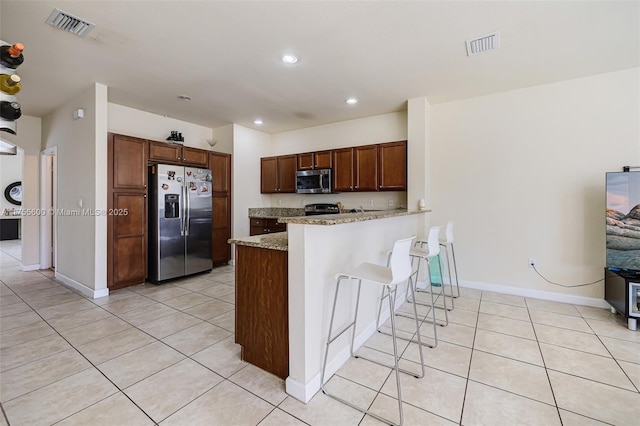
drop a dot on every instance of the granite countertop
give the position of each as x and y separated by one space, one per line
337 219
274 212
276 241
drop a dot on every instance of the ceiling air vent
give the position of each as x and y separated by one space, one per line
483 43
68 22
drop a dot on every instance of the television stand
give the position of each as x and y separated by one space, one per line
622 292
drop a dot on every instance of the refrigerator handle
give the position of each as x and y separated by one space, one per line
182 192
188 209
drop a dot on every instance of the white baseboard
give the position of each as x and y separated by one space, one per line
81 288
35 267
536 294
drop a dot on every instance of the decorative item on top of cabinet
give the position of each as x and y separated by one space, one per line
278 174
177 154
355 169
392 166
220 165
126 191
314 160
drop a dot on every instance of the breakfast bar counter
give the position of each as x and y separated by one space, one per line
285 284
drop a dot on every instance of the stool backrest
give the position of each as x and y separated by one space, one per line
433 242
400 262
449 232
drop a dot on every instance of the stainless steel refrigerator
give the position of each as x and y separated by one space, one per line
180 214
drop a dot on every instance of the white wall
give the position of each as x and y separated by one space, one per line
146 125
76 180
248 147
363 131
522 173
29 139
224 137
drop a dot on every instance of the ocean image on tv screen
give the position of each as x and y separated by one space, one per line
623 221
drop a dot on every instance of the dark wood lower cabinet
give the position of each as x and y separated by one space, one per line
262 313
265 226
129 239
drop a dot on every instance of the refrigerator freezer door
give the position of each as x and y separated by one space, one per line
198 220
171 221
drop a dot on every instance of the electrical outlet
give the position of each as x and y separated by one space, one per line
370 203
390 203
532 262
279 202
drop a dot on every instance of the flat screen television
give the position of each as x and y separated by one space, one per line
623 222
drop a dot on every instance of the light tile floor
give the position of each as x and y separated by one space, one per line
166 355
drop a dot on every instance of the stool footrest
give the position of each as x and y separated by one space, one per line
347 327
408 340
411 373
362 410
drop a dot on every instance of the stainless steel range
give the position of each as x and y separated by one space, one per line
321 208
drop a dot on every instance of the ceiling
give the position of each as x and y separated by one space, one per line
227 55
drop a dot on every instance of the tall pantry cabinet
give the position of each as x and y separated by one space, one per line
220 165
127 233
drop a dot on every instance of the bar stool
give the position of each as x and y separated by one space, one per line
412 288
447 243
432 252
435 248
398 271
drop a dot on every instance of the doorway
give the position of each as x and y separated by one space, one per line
11 195
48 205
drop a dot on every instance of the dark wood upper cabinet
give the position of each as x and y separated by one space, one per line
128 162
269 175
305 161
322 160
165 152
343 170
177 154
278 174
287 173
314 160
392 166
355 169
365 168
195 157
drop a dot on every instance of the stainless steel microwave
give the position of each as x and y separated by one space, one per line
313 181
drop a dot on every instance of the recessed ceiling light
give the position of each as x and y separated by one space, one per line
184 98
257 121
351 101
289 58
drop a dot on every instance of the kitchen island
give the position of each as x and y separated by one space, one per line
318 247
262 322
